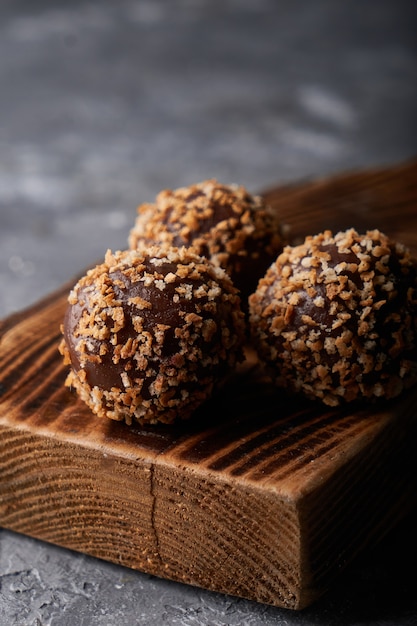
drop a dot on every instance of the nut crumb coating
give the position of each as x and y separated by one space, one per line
226 224
336 317
149 335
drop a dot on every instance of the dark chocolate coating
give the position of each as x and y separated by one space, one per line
336 317
107 374
225 224
152 332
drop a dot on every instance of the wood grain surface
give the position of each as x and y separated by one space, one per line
261 494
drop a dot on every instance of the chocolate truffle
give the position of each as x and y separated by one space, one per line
235 230
336 317
150 335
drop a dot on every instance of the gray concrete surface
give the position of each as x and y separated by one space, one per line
102 105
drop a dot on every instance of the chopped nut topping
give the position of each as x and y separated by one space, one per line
359 294
226 224
149 335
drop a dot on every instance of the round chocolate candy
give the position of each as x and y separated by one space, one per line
150 335
336 317
235 230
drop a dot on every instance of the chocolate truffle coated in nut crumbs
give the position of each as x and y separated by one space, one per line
226 224
336 317
149 335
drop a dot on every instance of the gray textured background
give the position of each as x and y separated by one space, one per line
101 106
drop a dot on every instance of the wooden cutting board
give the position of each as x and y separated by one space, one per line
260 495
